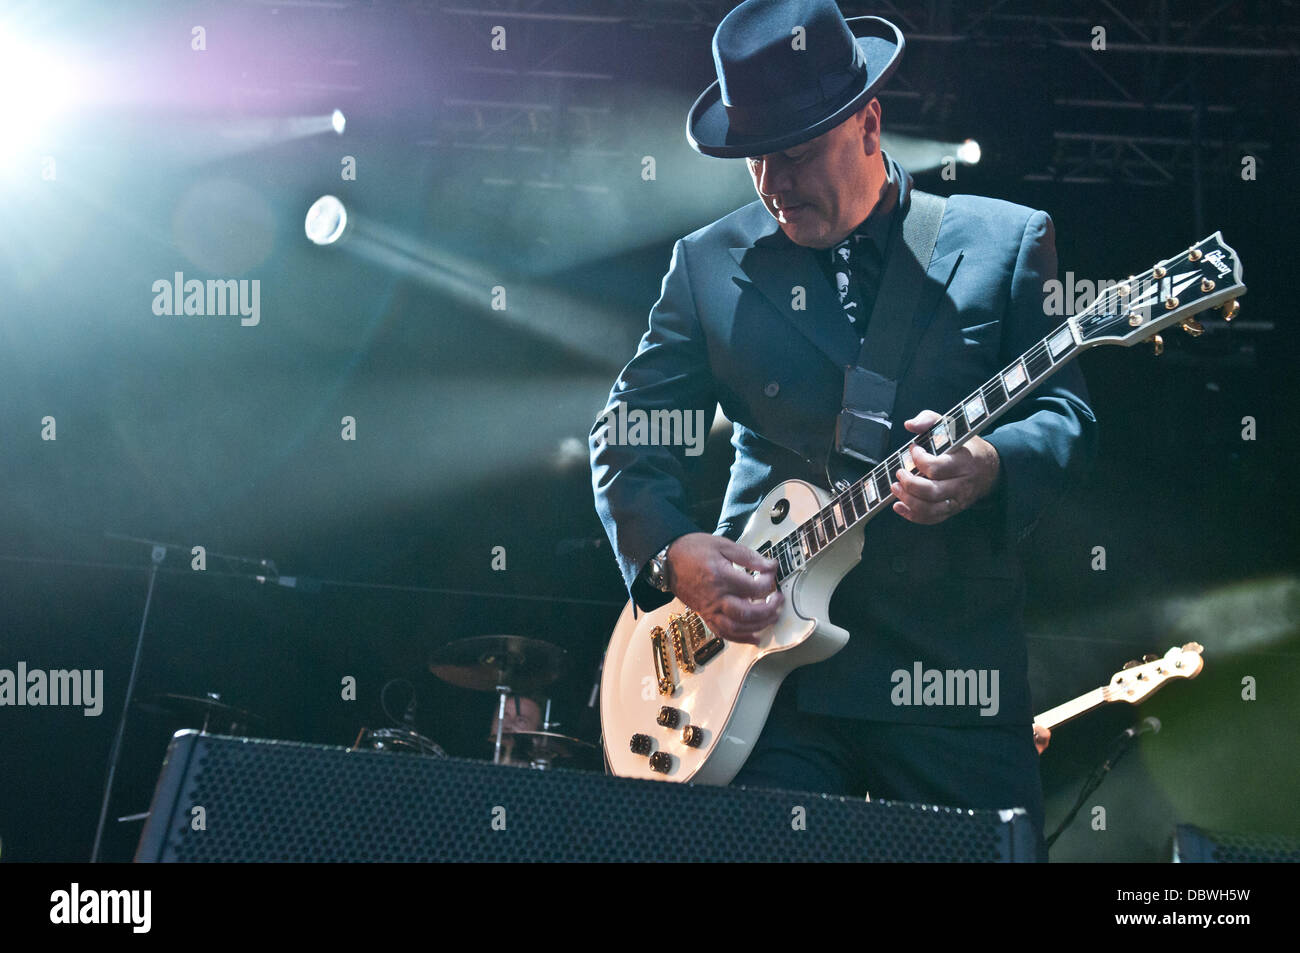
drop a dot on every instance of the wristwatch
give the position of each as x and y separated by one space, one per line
654 573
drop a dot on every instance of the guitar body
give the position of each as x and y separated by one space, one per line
728 696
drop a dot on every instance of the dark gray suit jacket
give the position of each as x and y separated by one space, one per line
948 596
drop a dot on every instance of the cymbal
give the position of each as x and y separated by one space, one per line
483 662
195 706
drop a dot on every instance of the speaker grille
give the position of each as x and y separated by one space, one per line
284 801
1196 845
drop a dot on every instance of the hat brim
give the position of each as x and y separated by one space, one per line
709 131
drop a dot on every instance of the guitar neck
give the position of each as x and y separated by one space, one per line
860 501
1199 278
1072 709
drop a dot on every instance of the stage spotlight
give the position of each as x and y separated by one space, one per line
327 220
969 152
34 88
338 121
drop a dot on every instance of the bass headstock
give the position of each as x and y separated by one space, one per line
1138 679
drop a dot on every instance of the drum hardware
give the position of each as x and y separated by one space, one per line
401 740
505 664
208 706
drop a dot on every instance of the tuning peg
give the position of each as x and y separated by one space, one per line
1193 327
1150 658
1230 310
1158 344
1131 663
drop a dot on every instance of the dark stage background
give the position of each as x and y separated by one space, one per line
523 168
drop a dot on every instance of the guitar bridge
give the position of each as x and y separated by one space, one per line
663 664
693 643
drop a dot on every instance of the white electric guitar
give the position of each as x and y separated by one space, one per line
678 703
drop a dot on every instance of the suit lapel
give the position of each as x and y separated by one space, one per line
776 269
937 278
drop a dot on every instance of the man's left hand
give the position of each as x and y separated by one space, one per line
948 483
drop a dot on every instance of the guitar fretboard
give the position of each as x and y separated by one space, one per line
1204 275
863 499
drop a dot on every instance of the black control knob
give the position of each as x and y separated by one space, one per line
641 744
669 717
692 735
661 761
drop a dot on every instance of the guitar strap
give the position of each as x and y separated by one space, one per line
871 383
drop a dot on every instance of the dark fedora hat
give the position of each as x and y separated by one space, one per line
788 71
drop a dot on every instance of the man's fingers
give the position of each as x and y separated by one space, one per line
923 512
741 583
923 421
942 466
922 488
754 616
740 620
745 557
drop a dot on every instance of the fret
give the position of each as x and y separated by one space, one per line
811 534
837 512
783 559
1060 343
1014 377
803 543
872 493
939 436
1037 362
820 530
973 410
959 426
859 502
828 524
881 480
994 396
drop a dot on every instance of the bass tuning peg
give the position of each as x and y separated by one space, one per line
1157 344
1230 310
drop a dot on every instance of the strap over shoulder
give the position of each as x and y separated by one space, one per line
871 384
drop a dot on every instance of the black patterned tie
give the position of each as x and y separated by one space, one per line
853 263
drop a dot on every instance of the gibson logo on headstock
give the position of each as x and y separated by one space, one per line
1216 259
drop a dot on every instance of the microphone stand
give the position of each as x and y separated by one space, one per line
1118 750
158 554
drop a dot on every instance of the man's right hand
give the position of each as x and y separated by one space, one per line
709 574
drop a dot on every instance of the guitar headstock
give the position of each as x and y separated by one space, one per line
1136 680
1204 276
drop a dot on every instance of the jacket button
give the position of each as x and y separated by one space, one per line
899 564
772 389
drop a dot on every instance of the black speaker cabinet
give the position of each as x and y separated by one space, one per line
1193 845
245 799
